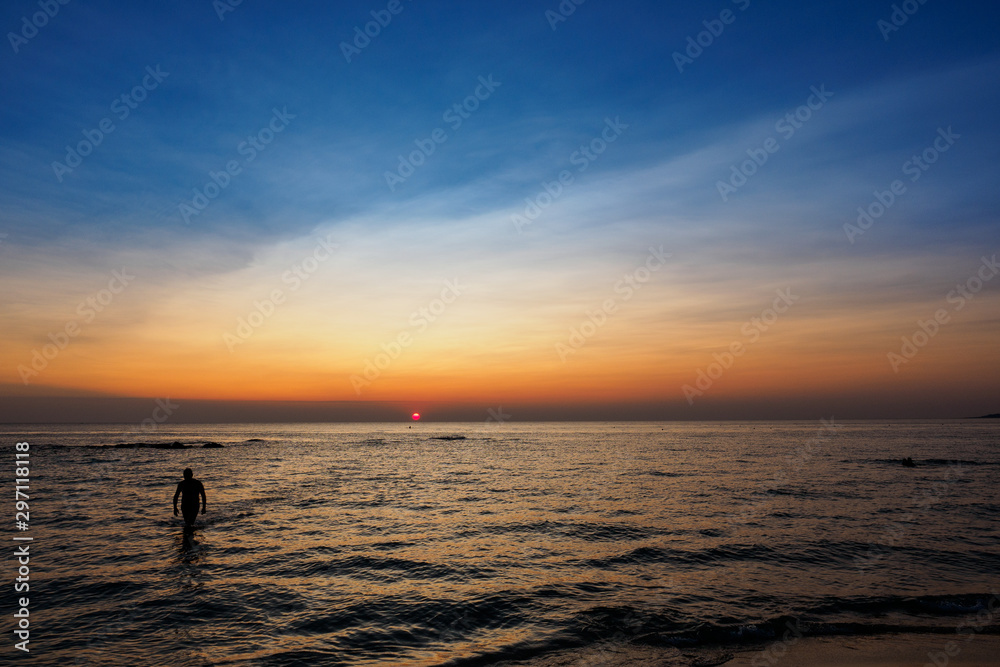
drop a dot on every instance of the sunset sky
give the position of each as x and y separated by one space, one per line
496 204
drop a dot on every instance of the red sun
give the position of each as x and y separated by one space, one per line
416 416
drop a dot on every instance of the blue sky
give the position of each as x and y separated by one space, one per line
346 123
352 120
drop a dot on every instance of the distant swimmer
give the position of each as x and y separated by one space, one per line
908 462
191 489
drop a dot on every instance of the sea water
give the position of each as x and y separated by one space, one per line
446 543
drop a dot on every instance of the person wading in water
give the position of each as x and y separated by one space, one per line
191 489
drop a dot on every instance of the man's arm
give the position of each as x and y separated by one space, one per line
176 496
204 500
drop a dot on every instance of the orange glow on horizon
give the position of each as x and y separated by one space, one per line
495 352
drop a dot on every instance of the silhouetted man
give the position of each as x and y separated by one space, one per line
191 489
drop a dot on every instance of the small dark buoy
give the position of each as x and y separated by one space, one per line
908 463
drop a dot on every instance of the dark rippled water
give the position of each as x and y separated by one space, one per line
471 544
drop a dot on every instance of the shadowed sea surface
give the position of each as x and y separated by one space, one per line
470 544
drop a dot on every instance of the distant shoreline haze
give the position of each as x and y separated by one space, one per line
116 410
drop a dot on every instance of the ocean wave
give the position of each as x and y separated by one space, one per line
929 462
413 550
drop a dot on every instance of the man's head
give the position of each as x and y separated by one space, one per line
188 474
